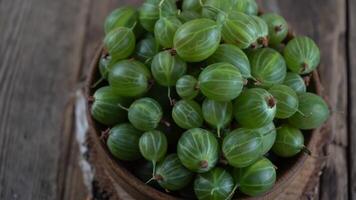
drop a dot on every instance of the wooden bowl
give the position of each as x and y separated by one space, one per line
115 180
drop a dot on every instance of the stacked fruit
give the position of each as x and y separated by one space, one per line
204 91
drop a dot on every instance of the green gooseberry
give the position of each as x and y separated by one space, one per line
105 107
151 10
302 55
196 40
186 87
104 66
255 108
129 78
171 174
145 114
153 147
120 43
262 31
217 113
268 134
187 114
287 100
198 150
289 142
191 5
216 184
212 8
313 112
146 49
242 147
249 7
267 66
277 28
164 30
167 68
257 178
123 142
126 16
295 81
221 82
188 15
239 29
232 54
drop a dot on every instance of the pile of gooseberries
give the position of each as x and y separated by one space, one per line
200 96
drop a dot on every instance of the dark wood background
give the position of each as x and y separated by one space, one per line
45 50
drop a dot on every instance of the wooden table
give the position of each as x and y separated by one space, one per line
45 50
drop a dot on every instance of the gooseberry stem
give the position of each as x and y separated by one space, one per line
306 150
134 25
219 133
98 82
153 172
232 192
160 8
122 107
171 101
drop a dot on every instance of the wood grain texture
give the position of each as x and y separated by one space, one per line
329 32
352 95
38 60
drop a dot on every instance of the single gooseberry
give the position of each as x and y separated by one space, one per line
255 108
262 31
302 55
287 100
120 43
289 142
267 66
151 10
249 7
129 78
295 81
221 82
212 8
277 28
145 114
217 113
232 54
191 5
187 15
216 184
146 49
123 142
313 112
171 174
187 114
186 87
196 40
165 28
198 150
257 178
242 147
105 107
153 147
268 134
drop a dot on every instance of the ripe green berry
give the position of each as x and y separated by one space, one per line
198 150
302 55
277 28
295 81
171 174
287 100
120 43
254 108
145 114
105 107
187 114
217 113
153 146
129 78
221 82
249 7
267 66
289 141
257 178
165 28
242 147
232 54
186 87
196 40
211 7
214 185
123 142
313 112
262 31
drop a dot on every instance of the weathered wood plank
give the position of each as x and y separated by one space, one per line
352 94
313 18
38 63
